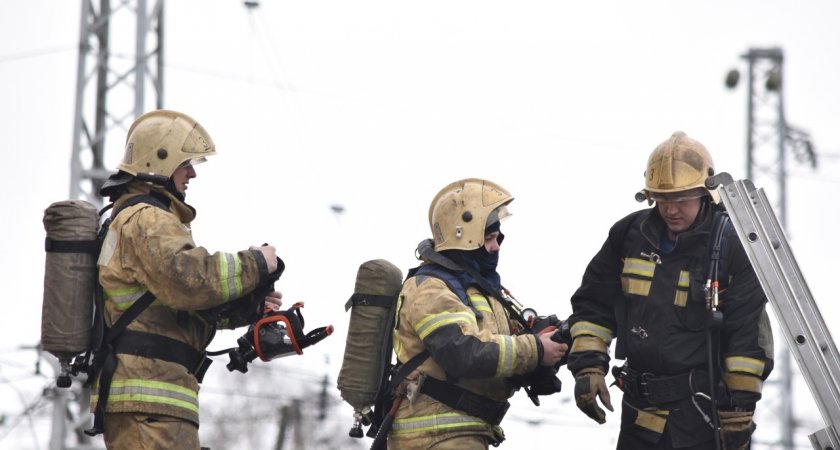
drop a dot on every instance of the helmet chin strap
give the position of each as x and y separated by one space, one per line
165 182
154 179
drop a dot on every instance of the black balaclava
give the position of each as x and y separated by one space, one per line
480 260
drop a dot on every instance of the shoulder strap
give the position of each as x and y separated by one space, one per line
105 355
441 273
152 198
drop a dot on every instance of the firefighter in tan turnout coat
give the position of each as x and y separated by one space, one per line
152 402
457 397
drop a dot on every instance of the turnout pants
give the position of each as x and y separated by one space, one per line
132 431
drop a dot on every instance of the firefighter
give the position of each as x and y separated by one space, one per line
450 307
152 402
645 287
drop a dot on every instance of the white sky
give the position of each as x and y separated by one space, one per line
377 105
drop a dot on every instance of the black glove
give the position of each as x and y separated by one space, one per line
542 381
736 427
245 310
589 385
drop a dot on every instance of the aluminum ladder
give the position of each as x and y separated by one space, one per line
800 320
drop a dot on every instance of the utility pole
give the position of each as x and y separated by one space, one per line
770 143
113 74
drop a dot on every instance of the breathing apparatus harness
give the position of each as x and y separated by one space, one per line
668 389
543 381
271 334
106 341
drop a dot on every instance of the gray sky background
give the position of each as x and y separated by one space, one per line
376 105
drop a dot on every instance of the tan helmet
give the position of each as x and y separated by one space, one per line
160 141
679 164
462 210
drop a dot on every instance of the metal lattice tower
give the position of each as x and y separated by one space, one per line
771 144
114 73
111 90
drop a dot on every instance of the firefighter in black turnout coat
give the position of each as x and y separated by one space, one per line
647 288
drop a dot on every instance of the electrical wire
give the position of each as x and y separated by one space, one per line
35 53
25 415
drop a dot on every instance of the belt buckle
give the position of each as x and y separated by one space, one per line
643 385
629 380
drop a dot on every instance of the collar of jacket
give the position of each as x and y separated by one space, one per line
185 212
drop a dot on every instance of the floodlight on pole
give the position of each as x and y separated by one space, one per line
769 141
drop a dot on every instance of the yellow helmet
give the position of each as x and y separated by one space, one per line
678 165
160 141
462 210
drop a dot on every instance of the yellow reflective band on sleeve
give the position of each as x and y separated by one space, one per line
743 382
230 275
438 422
480 303
636 266
507 355
587 343
745 365
435 321
588 328
146 391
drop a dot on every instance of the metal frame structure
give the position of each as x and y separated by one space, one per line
112 72
770 143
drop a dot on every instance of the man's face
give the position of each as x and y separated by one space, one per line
491 242
678 213
182 176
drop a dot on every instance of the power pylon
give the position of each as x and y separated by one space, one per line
113 72
771 145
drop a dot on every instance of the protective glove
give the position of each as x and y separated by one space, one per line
736 427
589 385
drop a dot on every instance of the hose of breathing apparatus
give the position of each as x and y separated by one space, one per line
711 296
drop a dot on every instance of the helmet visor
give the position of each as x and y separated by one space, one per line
192 162
677 196
497 215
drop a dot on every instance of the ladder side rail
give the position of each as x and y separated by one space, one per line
820 334
814 341
805 331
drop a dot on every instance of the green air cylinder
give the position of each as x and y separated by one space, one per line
368 350
69 277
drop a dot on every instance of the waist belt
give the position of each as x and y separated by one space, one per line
463 400
661 389
155 346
